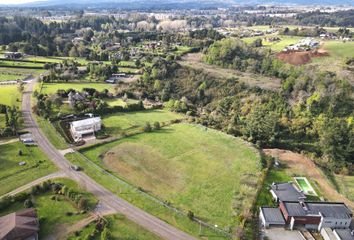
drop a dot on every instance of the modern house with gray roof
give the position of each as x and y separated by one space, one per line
316 215
286 192
344 234
271 217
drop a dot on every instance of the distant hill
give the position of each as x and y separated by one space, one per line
178 4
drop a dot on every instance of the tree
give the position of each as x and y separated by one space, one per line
147 127
157 125
105 234
28 203
190 215
83 203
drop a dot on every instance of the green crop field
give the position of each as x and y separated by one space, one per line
50 88
12 175
192 167
120 228
9 95
53 213
120 102
118 122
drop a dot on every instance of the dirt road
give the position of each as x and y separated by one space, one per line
106 198
302 164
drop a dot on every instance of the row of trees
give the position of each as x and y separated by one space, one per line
11 118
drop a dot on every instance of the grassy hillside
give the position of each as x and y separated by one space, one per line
12 175
118 122
192 167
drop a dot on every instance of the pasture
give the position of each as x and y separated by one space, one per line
19 64
9 95
118 122
193 168
12 175
120 228
276 46
51 88
339 49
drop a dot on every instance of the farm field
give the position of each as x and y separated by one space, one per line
50 88
52 213
339 49
9 95
118 122
120 102
120 228
12 175
192 167
10 77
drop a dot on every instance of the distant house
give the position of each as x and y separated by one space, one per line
286 192
83 128
13 55
21 225
316 215
271 217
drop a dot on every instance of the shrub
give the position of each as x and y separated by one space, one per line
190 215
28 203
83 203
157 125
147 127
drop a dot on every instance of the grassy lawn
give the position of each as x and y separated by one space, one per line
339 49
129 193
50 132
4 63
52 213
190 166
118 122
50 88
346 186
276 46
9 95
12 175
120 228
10 77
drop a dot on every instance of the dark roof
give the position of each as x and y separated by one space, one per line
287 192
327 209
19 225
272 215
344 234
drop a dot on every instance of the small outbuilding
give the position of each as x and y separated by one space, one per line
271 217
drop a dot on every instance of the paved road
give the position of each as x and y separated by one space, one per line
35 182
105 197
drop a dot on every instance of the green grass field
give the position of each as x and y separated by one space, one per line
50 132
4 63
346 186
50 88
118 122
120 228
276 46
52 214
192 167
12 175
10 77
120 102
9 95
339 49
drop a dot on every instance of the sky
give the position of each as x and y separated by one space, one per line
15 1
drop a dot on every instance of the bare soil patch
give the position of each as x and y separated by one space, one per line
301 58
300 164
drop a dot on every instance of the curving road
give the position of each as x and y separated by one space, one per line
108 199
